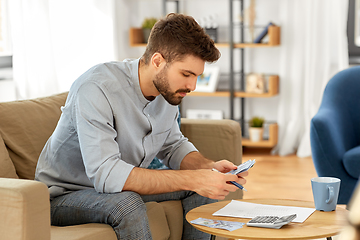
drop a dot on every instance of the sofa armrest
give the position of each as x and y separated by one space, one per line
24 210
216 140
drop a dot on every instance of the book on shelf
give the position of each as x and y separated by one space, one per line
264 32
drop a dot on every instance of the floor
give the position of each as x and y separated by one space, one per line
273 176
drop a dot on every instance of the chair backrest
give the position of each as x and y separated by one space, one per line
343 93
25 126
335 130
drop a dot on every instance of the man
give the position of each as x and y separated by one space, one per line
118 116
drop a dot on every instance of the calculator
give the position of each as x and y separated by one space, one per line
270 221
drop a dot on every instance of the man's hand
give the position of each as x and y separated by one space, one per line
224 166
211 184
214 184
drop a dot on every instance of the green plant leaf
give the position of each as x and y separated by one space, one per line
149 23
256 122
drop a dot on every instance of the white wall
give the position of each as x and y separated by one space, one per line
260 60
7 85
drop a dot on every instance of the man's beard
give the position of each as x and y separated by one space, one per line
161 82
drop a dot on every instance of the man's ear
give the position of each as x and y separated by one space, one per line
157 60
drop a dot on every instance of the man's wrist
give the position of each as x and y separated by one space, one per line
211 164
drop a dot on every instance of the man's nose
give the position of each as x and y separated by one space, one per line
191 84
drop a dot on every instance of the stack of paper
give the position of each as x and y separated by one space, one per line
250 210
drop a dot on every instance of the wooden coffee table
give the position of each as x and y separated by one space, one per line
318 225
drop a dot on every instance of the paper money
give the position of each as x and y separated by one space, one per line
226 225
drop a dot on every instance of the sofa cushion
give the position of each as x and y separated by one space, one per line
174 215
351 162
157 221
25 126
7 168
91 231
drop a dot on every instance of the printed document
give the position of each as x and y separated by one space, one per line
250 210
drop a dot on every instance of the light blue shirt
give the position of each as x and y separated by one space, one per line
107 127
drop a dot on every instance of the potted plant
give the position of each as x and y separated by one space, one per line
256 129
146 26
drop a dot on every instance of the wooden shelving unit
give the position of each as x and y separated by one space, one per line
136 40
136 37
273 90
271 142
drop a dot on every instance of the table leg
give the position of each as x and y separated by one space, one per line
213 238
329 238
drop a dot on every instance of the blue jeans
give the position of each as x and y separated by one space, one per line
121 211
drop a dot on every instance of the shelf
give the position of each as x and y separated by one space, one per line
136 39
274 39
271 142
273 90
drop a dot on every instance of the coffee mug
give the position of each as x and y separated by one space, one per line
326 192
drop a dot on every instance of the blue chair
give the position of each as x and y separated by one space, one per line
335 132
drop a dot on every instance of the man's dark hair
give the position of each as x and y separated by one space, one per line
178 35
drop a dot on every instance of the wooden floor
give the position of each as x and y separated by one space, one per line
274 176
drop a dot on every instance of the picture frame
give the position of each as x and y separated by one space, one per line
255 83
204 114
208 81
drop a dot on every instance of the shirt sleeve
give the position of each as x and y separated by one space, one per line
94 123
176 147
